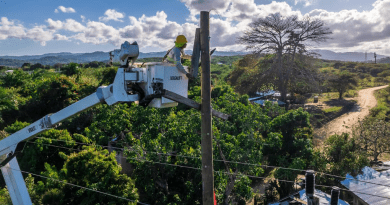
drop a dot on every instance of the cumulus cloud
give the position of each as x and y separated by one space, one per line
60 37
353 30
65 10
38 33
111 14
158 32
69 24
8 29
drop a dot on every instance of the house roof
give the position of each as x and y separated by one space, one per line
261 95
261 102
372 176
324 198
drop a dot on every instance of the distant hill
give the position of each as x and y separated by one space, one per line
347 56
66 57
383 60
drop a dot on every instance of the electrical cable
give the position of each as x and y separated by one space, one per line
250 176
234 162
70 184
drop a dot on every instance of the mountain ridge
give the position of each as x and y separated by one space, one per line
67 57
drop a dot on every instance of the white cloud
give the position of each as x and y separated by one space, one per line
65 10
60 37
69 24
111 14
54 25
306 2
8 29
353 30
74 26
82 18
38 33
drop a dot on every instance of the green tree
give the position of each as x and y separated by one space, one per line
71 69
8 101
286 37
36 66
91 168
4 197
341 155
342 82
372 136
15 79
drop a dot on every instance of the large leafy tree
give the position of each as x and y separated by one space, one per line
165 136
342 82
340 155
286 37
91 168
372 137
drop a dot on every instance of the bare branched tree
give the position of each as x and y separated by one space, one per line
286 37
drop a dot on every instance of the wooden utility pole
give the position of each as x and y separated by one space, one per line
207 135
310 186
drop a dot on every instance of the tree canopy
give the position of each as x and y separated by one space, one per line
286 37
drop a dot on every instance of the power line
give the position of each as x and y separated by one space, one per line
234 162
250 176
70 184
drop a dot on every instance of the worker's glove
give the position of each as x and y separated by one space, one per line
189 76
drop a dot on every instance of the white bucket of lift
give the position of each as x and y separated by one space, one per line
170 78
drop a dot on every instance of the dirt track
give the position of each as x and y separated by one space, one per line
365 101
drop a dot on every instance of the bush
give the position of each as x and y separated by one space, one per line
36 66
71 69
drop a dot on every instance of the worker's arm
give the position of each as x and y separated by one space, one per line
178 61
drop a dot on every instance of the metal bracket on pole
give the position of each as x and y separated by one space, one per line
180 99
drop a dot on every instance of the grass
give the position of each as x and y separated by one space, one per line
332 109
351 93
381 111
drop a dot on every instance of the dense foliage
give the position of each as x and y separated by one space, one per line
162 146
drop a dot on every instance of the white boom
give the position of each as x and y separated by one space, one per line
158 85
130 84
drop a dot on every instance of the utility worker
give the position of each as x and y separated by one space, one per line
175 54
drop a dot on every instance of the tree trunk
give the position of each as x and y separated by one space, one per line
232 178
229 187
281 78
340 95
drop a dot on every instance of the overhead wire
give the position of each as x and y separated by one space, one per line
234 162
70 184
228 173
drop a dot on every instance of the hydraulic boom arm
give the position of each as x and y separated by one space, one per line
158 85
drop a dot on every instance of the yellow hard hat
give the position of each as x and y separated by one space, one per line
181 39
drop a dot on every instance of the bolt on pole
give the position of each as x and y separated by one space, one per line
207 135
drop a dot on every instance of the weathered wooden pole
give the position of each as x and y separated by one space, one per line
207 135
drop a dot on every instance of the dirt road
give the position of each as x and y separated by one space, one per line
365 101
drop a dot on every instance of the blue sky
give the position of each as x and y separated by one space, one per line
38 27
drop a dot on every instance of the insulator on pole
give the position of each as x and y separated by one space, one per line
310 182
335 194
